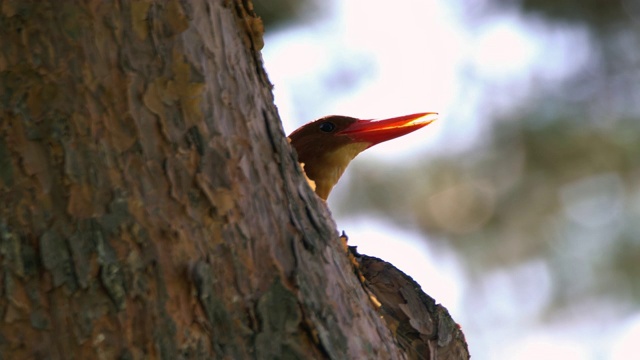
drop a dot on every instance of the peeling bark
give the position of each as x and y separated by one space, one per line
423 329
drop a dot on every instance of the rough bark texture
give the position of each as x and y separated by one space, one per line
151 206
423 329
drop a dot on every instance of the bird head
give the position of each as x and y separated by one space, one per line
327 145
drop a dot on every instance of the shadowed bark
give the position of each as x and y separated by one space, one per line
151 205
422 328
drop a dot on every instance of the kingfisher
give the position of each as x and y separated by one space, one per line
326 146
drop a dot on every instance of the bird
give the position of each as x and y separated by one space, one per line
326 146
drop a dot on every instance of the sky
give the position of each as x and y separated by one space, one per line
380 61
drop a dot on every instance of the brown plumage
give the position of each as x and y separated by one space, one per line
326 146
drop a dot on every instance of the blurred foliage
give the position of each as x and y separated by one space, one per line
524 195
557 180
278 13
596 14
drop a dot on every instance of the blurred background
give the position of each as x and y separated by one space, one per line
519 209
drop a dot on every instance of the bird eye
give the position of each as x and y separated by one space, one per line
327 126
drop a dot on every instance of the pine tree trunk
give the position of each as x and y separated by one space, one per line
151 207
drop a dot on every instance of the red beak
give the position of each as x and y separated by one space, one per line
377 131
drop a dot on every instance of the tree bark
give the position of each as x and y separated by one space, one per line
151 205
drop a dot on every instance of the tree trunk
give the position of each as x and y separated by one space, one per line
151 205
